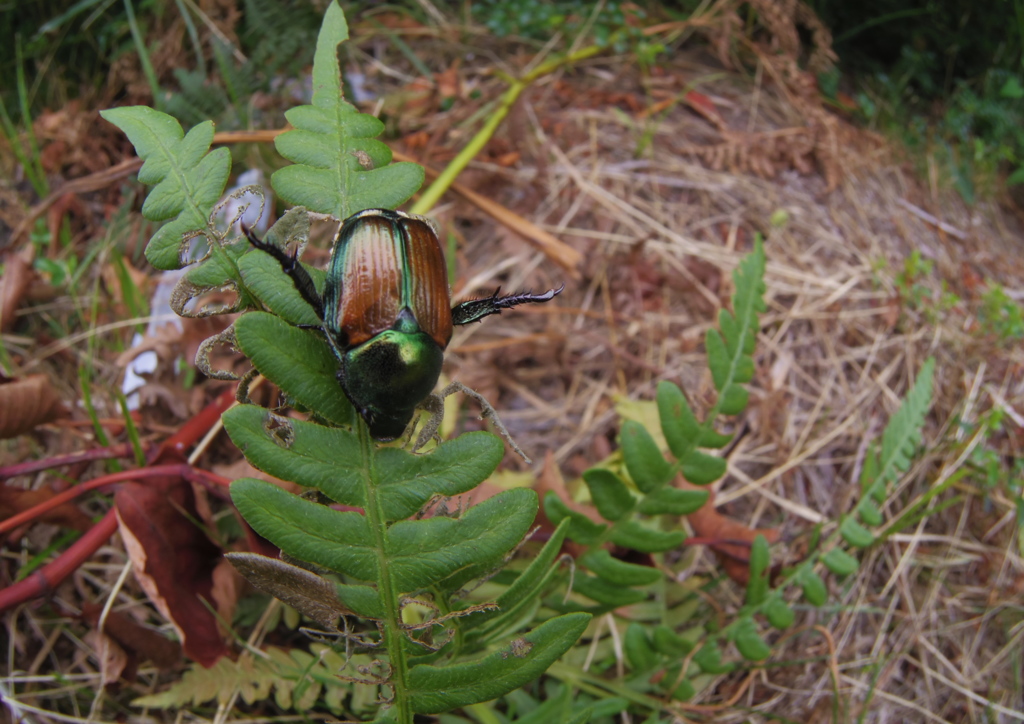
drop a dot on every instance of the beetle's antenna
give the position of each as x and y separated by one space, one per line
476 309
291 266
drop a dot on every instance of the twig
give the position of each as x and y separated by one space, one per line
928 218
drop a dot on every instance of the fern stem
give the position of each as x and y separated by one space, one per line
393 636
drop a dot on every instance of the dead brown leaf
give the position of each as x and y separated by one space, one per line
27 403
174 561
143 643
68 207
449 85
17 276
15 500
113 660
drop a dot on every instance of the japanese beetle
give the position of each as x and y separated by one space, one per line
386 312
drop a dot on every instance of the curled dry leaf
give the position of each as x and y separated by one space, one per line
27 403
14 284
303 590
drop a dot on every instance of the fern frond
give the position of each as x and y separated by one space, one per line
295 677
900 440
279 35
730 352
903 433
187 180
340 168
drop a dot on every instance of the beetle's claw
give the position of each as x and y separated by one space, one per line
434 406
524 297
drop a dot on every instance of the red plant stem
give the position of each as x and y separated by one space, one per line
44 580
177 444
123 450
182 470
191 431
47 578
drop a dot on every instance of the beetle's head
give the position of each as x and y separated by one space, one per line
388 376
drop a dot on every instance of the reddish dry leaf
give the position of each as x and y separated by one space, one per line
416 141
17 500
68 206
396 21
508 159
972 280
13 284
26 404
705 107
113 660
138 279
145 643
728 538
448 83
697 101
174 561
550 479
892 312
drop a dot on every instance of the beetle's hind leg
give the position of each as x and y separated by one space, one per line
434 404
476 309
291 266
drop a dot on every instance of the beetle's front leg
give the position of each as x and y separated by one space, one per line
291 266
476 309
433 405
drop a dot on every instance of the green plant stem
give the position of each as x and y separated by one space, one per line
31 165
131 430
140 48
85 382
193 35
516 87
394 637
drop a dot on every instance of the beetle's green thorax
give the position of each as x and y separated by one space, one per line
390 374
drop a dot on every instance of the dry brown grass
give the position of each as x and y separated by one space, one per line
930 629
